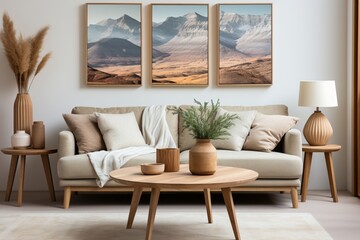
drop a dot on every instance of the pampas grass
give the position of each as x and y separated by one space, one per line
23 54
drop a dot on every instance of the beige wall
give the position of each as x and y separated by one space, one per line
310 42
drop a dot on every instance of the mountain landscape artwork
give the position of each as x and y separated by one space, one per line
179 44
245 44
114 44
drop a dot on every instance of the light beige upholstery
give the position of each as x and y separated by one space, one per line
278 170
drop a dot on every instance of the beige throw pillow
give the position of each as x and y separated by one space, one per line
120 130
267 131
238 132
86 132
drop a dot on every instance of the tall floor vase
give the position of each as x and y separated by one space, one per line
23 113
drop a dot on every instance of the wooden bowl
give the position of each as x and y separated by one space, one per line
152 168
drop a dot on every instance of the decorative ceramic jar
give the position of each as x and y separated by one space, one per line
38 135
20 140
203 158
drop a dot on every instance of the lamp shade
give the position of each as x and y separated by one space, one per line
317 93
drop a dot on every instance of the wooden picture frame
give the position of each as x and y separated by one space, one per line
180 44
113 53
245 44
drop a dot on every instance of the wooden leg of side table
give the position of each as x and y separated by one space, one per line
331 174
47 169
226 192
10 182
134 204
207 196
21 179
306 174
155 193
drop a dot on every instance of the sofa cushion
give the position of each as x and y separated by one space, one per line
86 132
171 119
186 141
267 131
238 132
119 130
272 165
79 166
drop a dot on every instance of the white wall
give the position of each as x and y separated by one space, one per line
310 42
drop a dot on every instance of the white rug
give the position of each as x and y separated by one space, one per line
168 226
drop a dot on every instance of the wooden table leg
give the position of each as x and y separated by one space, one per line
331 174
226 192
47 169
21 179
207 195
155 193
306 174
12 171
134 204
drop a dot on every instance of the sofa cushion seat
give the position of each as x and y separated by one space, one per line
273 165
79 166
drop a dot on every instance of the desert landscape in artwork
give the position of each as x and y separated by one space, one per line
245 44
180 46
114 45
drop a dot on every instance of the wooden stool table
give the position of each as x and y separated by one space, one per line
22 153
327 150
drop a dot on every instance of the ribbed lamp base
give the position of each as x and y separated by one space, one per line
317 130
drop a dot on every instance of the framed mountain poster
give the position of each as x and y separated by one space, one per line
244 44
180 34
113 44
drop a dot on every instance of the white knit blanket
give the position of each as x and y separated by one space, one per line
156 134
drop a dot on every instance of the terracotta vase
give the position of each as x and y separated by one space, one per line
38 135
203 158
23 113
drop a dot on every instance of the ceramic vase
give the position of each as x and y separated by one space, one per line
23 113
20 140
38 135
203 158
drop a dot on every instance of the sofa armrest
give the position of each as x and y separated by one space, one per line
293 142
66 144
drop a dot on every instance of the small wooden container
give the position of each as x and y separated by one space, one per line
152 168
170 157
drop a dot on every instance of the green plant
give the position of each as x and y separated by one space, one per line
203 120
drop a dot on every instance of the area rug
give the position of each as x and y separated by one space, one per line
168 226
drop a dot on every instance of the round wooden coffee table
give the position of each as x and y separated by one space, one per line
224 178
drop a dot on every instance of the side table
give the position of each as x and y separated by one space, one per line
22 153
327 150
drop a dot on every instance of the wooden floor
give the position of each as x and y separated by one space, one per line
341 220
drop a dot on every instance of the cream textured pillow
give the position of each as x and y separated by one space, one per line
86 132
267 131
238 131
120 130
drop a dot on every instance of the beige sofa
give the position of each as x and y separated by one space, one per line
279 170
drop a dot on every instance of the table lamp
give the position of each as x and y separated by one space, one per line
317 130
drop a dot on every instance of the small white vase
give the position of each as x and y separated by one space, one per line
20 140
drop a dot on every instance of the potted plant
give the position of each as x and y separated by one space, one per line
204 124
23 57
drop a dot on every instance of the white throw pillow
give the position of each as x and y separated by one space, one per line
238 132
119 130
